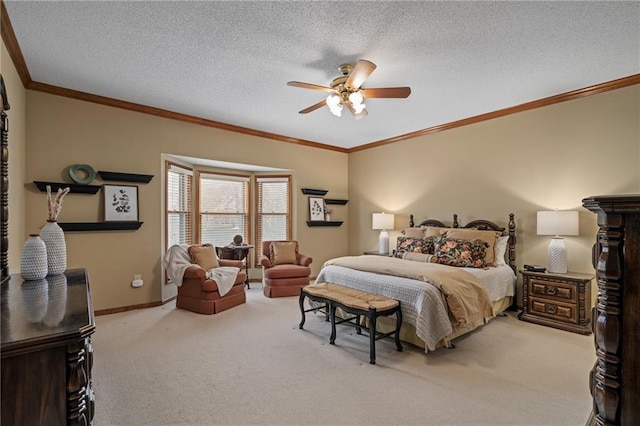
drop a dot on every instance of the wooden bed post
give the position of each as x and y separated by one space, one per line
512 242
455 221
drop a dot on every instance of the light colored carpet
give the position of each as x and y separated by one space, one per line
252 365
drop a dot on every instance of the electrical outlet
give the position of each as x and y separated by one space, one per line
137 281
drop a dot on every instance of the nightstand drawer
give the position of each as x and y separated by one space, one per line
553 290
554 310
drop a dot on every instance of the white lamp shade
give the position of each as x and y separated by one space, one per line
558 222
383 221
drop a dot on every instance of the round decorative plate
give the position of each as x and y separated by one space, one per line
77 171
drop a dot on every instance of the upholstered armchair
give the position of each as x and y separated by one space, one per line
204 285
284 269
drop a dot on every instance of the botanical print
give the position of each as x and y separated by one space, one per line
120 203
316 208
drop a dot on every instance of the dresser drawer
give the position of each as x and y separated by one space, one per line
555 310
553 290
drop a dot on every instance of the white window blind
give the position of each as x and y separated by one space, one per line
179 206
223 208
273 210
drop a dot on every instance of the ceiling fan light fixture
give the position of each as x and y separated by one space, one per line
356 100
335 104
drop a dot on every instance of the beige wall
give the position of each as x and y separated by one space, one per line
546 158
16 115
62 132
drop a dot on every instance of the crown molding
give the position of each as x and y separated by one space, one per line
563 97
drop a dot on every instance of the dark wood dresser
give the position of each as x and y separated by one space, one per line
46 350
615 378
557 300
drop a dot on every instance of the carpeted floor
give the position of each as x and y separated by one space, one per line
252 365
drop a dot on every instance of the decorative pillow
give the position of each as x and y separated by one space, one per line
281 252
501 250
409 244
414 245
463 253
204 255
419 257
429 245
434 231
491 237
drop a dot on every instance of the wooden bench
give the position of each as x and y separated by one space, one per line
354 302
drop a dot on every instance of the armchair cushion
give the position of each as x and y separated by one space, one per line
282 252
204 255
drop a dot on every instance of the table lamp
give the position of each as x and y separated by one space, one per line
557 223
383 221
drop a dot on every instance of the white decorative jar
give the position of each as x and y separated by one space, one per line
53 237
33 265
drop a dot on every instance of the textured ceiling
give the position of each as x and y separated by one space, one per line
230 61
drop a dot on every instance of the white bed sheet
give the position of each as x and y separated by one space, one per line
421 302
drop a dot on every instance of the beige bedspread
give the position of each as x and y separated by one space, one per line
465 298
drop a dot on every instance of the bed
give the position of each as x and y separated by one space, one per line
423 287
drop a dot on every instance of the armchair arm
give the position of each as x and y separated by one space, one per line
229 262
304 260
195 272
265 262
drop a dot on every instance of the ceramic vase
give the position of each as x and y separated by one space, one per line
33 265
53 237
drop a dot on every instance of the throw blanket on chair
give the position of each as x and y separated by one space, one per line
465 298
224 276
177 260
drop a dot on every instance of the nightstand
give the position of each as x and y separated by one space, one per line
557 300
376 253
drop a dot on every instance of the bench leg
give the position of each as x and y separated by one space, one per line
301 301
332 308
398 325
358 328
372 315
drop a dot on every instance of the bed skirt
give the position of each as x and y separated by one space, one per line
408 331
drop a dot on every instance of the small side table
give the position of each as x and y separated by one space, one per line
557 300
376 253
236 253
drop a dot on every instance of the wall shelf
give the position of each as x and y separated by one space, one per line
309 191
99 226
73 187
335 201
124 177
324 223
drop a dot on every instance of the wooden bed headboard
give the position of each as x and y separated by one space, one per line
483 225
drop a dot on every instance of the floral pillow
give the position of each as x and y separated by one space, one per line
414 245
462 253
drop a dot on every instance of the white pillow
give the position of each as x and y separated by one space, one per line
501 250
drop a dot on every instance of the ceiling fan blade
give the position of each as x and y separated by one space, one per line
357 116
359 74
387 92
313 107
310 86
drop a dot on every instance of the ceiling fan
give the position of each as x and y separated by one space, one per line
346 90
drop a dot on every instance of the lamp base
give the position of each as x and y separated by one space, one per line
383 242
557 256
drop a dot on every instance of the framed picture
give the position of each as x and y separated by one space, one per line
316 208
120 203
